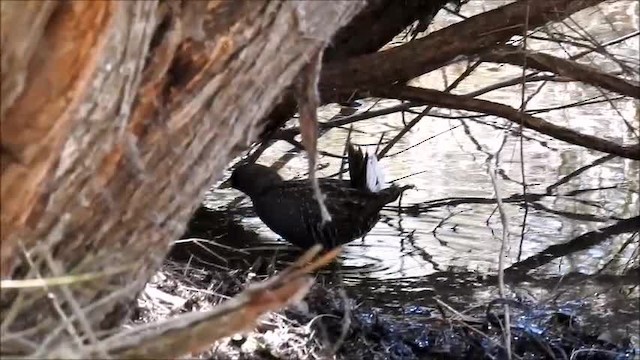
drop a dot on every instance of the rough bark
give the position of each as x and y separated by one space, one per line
118 116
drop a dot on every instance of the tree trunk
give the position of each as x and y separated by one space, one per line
116 118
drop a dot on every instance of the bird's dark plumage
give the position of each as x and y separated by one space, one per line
290 209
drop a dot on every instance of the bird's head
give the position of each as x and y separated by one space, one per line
253 179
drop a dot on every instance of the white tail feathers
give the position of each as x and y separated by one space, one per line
375 174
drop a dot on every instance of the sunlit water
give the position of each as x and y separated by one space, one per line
452 250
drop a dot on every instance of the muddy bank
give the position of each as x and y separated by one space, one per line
333 320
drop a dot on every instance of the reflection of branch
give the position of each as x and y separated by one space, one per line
619 254
545 62
573 215
530 198
438 98
582 242
440 224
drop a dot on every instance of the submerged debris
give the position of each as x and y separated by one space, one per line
330 323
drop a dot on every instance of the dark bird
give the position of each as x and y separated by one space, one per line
290 209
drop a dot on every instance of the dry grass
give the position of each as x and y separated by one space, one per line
181 311
180 288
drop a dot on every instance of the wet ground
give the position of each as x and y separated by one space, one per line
573 229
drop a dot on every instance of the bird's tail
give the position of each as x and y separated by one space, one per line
365 170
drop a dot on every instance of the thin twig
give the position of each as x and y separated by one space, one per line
415 120
80 316
523 105
503 248
56 304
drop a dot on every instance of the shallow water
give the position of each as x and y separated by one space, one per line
445 238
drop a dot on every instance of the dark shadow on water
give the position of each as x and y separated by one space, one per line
216 239
579 243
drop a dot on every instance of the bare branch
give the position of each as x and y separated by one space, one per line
441 99
501 256
534 75
545 62
471 36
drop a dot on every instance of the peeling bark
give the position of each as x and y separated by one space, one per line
36 120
